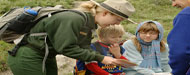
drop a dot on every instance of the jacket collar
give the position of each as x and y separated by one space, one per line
91 21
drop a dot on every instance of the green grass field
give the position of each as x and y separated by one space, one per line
158 10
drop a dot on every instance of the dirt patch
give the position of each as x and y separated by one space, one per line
8 72
65 66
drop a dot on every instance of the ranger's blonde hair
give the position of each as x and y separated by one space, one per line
90 7
116 30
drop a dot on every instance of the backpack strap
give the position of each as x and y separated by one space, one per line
3 29
19 42
46 53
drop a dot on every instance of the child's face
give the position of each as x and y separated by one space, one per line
111 39
148 36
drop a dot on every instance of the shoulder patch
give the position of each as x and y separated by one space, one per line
83 33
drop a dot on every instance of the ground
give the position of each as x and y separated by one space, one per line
65 66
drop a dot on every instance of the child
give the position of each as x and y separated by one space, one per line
108 42
148 50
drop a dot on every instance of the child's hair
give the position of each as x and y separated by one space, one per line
116 30
90 7
149 26
146 27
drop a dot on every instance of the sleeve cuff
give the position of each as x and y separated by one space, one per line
122 57
99 57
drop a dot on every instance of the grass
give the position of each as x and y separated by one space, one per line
5 5
4 47
158 10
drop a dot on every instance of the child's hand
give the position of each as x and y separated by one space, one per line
115 50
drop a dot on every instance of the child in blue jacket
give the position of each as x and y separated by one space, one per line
148 50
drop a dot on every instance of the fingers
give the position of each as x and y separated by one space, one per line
114 45
110 61
124 63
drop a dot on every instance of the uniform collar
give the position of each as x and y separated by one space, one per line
91 21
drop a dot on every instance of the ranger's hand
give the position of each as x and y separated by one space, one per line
108 60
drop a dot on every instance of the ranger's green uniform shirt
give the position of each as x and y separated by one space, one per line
67 35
